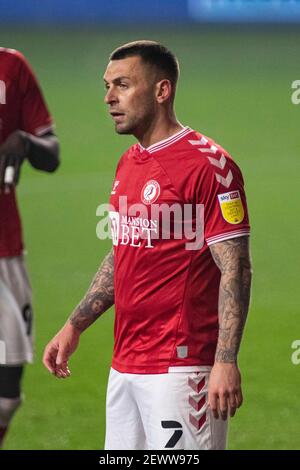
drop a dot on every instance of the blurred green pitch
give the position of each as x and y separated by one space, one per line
235 87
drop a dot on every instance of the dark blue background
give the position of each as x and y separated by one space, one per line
147 11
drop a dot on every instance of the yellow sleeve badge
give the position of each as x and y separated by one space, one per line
232 207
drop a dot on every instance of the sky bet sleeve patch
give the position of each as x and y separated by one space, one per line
231 207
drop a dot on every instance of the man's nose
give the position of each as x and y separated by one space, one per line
110 96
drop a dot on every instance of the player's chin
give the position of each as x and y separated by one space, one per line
121 128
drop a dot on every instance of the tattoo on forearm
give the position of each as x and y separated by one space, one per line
233 259
98 298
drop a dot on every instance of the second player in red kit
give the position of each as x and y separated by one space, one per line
26 133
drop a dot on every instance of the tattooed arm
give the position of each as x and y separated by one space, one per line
99 297
233 259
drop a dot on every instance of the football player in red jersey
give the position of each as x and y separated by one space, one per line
180 307
26 133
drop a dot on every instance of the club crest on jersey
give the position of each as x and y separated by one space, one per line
150 192
232 207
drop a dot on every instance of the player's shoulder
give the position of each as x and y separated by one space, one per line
14 63
131 152
200 145
203 152
128 155
12 55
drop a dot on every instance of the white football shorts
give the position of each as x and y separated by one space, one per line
161 411
16 335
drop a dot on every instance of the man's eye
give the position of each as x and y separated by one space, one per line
123 85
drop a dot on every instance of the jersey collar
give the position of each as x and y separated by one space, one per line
166 142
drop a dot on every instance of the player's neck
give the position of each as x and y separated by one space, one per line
161 129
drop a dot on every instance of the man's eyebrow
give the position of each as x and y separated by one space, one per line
118 79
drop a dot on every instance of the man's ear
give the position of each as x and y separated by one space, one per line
163 91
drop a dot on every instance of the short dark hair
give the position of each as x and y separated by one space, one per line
151 53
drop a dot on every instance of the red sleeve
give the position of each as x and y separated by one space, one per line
220 189
35 117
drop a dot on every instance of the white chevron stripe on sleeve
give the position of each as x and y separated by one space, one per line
202 141
211 149
225 181
219 163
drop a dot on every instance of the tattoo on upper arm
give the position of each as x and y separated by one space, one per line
233 259
98 298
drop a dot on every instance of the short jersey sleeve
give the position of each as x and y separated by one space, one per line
220 189
35 117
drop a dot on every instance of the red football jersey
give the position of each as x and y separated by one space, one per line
166 291
22 106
